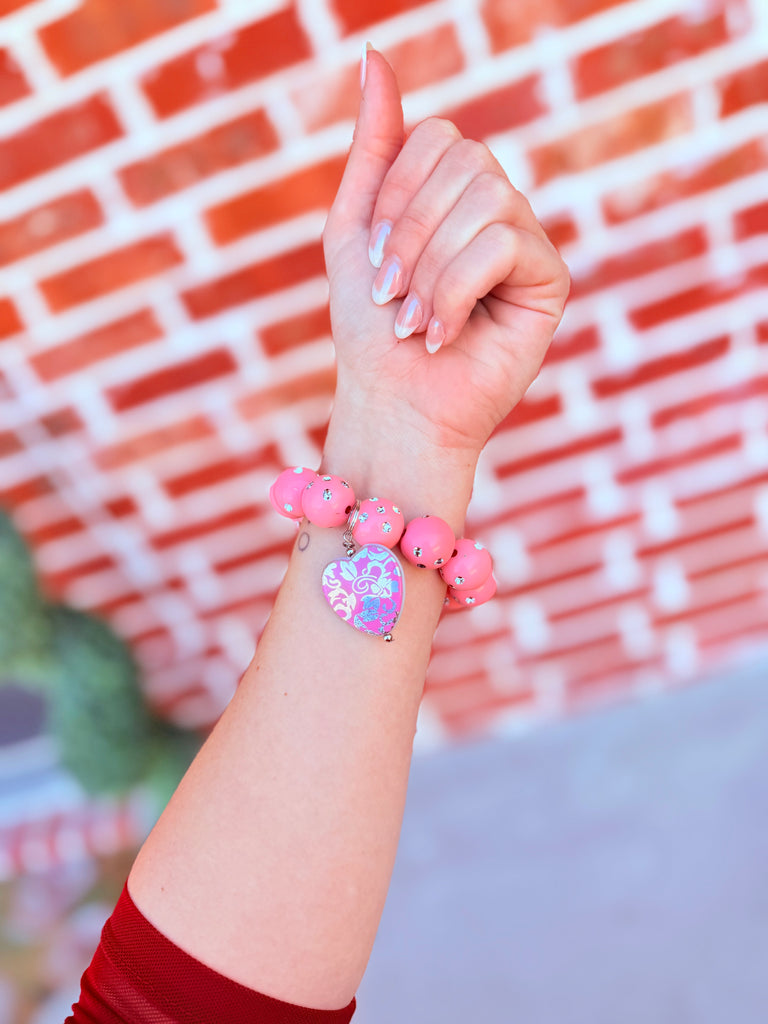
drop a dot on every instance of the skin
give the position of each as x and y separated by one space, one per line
272 861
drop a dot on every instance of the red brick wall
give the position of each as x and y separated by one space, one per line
164 343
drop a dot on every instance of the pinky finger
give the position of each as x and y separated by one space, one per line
521 270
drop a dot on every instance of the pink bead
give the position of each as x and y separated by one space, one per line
471 598
327 501
428 542
470 566
378 522
285 493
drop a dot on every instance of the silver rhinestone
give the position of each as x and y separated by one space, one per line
327 494
386 528
458 581
363 517
381 510
417 552
469 600
439 561
288 507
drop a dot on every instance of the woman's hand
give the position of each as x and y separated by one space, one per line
445 291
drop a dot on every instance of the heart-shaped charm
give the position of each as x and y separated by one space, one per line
366 590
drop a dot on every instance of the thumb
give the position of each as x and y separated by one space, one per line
377 141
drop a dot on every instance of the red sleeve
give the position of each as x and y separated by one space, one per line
139 976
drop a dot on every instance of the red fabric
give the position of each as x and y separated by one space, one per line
138 976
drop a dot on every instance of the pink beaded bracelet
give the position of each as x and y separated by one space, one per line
367 589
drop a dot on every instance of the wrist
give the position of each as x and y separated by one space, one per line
380 454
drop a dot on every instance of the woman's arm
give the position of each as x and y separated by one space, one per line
272 861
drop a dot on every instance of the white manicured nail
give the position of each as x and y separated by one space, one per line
379 236
435 335
409 317
388 281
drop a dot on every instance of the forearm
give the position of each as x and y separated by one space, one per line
272 861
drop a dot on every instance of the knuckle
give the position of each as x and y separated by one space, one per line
473 155
416 220
438 127
496 188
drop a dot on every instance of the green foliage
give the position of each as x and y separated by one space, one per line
107 736
24 626
96 710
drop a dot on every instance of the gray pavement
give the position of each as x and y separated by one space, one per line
610 869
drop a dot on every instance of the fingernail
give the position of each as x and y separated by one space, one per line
364 65
379 236
409 318
435 335
388 281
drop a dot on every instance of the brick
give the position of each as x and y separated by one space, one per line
96 29
311 188
256 554
752 221
569 345
199 530
531 410
121 506
745 88
712 533
477 712
333 94
664 366
592 442
10 322
9 444
606 603
27 490
644 259
55 531
296 331
112 339
13 84
182 166
255 281
586 528
621 135
748 483
57 583
61 421
604 679
8 6
62 136
114 270
500 110
217 472
254 52
48 224
143 447
655 47
353 15
171 379
741 624
513 24
662 189
321 383
700 404
692 300
561 230
655 467
711 611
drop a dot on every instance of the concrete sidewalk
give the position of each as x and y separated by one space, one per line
608 870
